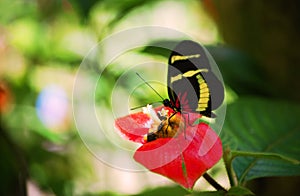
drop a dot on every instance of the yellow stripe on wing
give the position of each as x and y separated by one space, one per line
204 90
187 74
180 58
204 94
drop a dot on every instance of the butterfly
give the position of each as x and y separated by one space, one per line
192 87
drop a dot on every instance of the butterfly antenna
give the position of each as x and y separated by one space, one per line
137 107
149 86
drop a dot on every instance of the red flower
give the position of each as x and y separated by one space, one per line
183 158
5 97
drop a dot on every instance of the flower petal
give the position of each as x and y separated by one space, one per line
185 158
133 126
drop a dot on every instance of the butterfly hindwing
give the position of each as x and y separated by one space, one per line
192 86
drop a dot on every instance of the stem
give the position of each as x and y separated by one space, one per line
227 157
213 183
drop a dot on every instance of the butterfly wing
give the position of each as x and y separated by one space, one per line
192 86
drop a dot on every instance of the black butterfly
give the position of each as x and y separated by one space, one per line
192 86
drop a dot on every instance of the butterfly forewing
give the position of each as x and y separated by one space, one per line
192 86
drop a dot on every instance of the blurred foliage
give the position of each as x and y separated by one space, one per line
233 191
43 42
268 33
164 191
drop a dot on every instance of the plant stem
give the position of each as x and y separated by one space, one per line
213 183
227 157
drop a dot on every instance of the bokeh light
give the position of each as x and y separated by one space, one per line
52 106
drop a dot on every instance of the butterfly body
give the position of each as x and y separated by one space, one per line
169 127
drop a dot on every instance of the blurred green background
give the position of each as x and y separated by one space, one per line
42 43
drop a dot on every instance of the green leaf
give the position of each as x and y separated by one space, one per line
84 7
233 191
174 190
239 71
209 193
125 7
107 193
160 47
239 190
264 135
